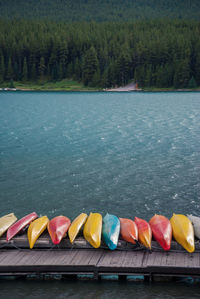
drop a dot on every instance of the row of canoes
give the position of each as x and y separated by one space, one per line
182 228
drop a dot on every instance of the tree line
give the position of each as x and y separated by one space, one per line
161 53
99 10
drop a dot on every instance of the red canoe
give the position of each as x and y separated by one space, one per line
144 232
128 230
58 227
19 225
162 230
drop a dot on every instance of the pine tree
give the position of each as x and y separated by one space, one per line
9 71
25 70
1 67
11 85
192 83
96 80
63 57
90 65
123 67
41 69
182 74
77 69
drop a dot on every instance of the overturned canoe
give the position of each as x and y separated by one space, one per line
19 225
92 229
128 230
183 231
76 226
57 228
196 225
36 228
6 221
110 230
144 232
161 230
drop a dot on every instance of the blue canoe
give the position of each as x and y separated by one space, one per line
111 229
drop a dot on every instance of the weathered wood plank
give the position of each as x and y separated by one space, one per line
29 258
12 257
99 260
96 257
155 258
133 259
82 258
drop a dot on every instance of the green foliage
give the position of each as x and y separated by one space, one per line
25 70
1 67
192 83
90 66
99 11
162 53
11 85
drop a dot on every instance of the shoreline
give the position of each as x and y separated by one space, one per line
67 85
99 90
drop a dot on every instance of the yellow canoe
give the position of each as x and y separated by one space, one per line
183 231
76 226
36 228
6 221
92 229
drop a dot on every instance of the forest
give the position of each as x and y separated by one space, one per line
99 10
161 53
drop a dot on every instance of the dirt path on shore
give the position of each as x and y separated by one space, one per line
129 87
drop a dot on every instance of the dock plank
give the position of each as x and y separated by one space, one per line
11 257
29 258
133 259
82 258
95 258
155 258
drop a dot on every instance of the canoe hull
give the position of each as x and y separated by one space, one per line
128 230
57 228
183 231
144 232
111 229
76 226
6 221
196 225
19 225
36 228
161 231
92 229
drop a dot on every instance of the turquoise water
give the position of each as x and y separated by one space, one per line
129 154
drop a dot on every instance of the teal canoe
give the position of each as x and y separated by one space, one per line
111 229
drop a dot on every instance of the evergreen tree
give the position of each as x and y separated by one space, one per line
25 70
90 65
182 74
77 69
192 83
42 68
1 67
9 70
11 85
123 67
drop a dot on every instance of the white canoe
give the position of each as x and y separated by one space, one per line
196 224
6 221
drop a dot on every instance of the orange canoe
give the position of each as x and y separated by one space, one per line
128 230
144 232
161 230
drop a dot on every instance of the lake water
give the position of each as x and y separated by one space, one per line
130 154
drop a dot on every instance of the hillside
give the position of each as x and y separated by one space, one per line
153 53
99 10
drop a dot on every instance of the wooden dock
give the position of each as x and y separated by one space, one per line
67 260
